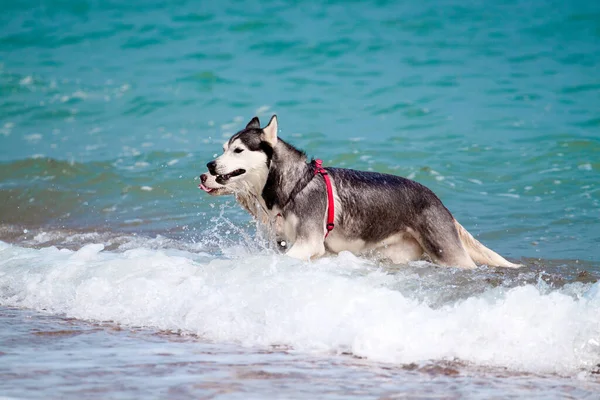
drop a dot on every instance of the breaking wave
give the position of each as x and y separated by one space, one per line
341 304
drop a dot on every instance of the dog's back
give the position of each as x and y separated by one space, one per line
370 203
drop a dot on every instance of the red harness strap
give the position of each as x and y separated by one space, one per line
330 204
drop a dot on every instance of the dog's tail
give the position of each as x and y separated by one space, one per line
479 253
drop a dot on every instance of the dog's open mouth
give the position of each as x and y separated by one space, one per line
207 189
224 178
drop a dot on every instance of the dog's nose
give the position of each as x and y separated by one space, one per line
203 178
212 166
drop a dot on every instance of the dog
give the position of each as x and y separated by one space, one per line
318 210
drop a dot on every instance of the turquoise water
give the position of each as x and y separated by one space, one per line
110 110
493 106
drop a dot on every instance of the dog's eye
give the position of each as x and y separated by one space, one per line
238 150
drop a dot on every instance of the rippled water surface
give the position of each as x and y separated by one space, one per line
110 110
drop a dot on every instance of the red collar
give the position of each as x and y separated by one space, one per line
330 203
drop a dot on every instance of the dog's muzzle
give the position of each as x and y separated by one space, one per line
222 179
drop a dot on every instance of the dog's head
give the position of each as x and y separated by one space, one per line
244 164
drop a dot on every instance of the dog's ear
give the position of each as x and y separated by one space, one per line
270 131
254 123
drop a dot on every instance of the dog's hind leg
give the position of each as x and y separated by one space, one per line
436 233
445 250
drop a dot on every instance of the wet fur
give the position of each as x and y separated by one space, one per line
396 217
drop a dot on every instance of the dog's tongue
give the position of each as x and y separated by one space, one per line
207 190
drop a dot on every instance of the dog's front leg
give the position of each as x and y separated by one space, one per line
306 234
304 249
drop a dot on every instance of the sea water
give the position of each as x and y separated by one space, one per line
119 278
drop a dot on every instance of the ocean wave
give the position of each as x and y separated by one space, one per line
341 304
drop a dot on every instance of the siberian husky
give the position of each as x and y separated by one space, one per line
394 217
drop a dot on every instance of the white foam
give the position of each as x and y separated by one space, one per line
28 80
33 138
335 305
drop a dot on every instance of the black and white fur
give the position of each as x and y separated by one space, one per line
395 217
